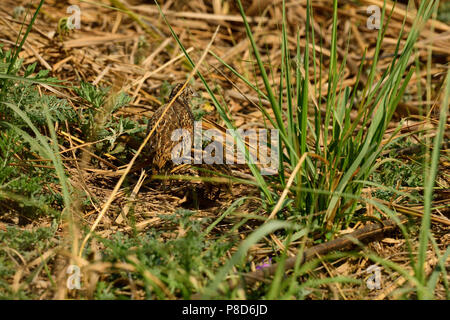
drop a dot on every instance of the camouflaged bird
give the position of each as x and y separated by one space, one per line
178 116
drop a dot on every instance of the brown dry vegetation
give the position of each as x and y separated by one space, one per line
134 52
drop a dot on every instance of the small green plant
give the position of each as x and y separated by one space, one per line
398 173
10 62
444 12
18 176
328 168
96 120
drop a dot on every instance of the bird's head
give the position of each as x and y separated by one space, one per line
185 96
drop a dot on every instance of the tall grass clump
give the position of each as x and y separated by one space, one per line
25 115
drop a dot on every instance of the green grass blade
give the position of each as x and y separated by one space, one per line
429 183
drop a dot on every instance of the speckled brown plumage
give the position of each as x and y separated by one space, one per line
178 116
